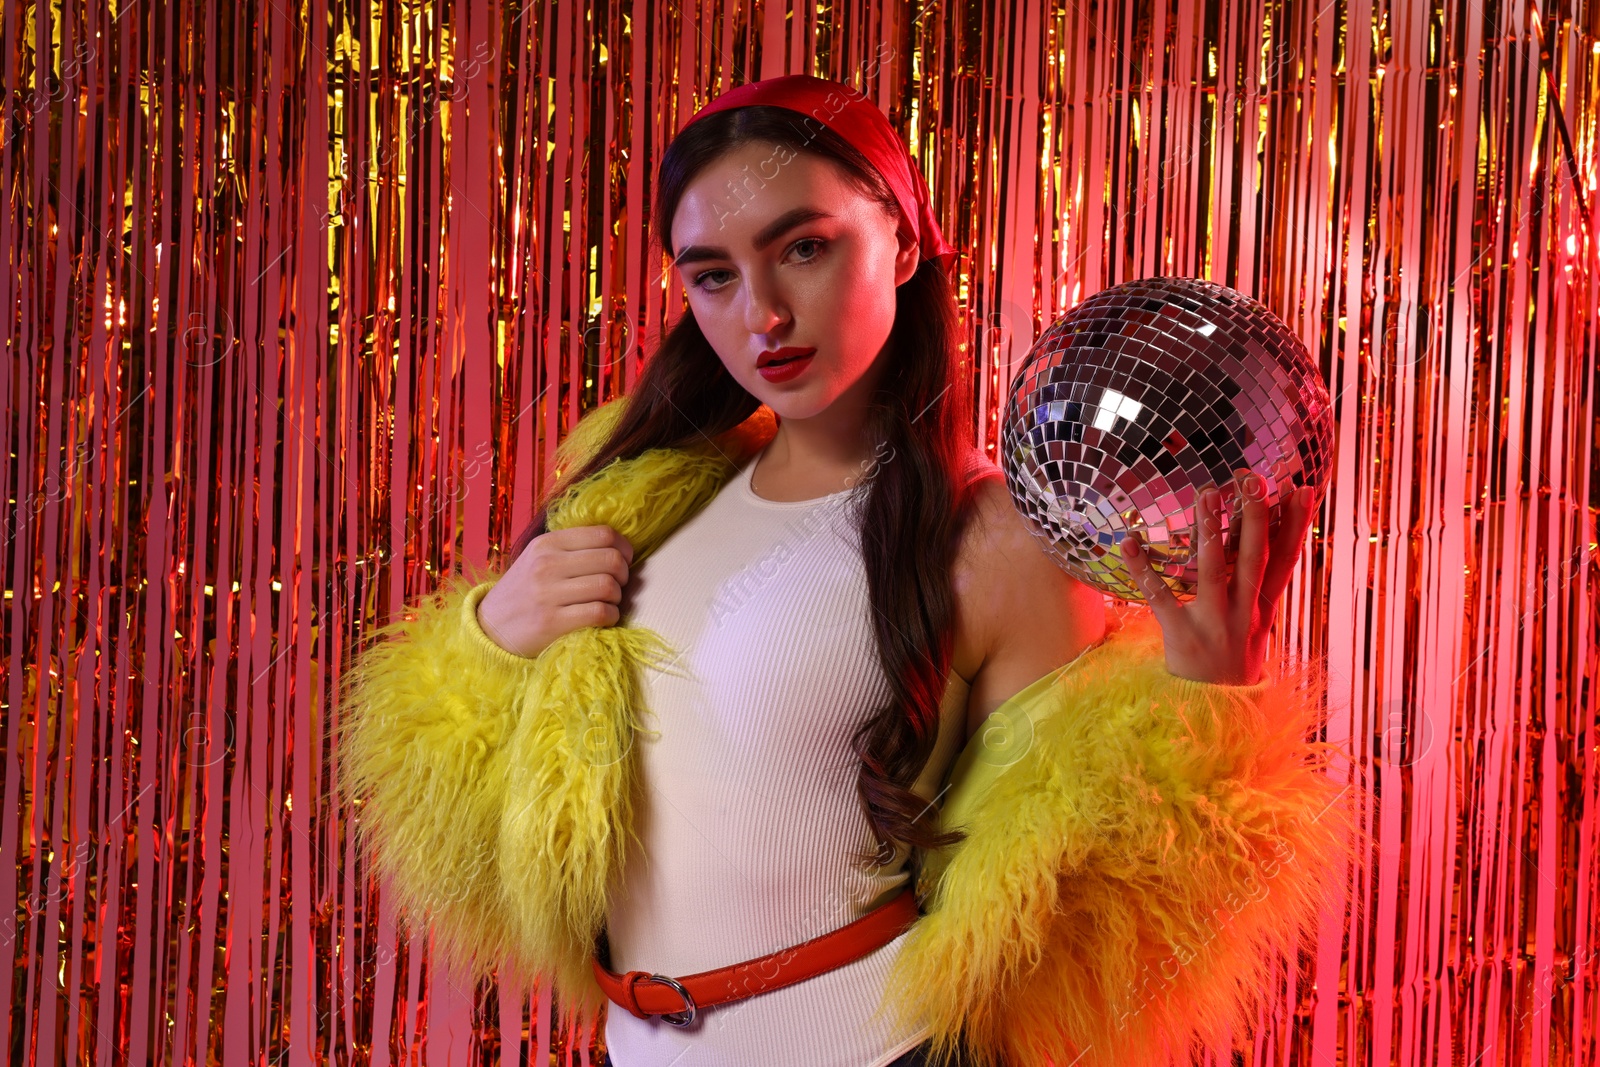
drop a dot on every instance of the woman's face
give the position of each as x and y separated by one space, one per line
780 249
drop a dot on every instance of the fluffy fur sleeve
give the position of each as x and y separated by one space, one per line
425 715
1140 848
495 792
442 736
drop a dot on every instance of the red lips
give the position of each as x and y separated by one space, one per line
781 354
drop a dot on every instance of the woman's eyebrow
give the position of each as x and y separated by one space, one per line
769 233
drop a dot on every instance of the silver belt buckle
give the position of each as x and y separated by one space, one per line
677 1018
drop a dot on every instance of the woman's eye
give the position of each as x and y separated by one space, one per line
816 242
700 280
705 281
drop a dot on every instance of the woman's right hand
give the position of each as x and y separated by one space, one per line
563 581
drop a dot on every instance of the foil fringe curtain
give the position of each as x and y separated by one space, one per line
298 300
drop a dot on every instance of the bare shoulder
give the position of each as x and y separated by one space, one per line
1020 615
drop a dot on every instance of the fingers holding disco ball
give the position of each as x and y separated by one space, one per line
1262 566
1219 542
1133 403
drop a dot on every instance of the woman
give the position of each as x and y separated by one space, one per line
840 614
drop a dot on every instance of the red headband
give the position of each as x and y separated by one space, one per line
856 119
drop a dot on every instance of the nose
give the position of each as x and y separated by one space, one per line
764 307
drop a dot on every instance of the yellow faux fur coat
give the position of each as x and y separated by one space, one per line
1134 862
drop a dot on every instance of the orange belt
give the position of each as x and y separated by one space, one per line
677 1000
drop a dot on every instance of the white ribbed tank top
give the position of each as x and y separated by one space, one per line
749 813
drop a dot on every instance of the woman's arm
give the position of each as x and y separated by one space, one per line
1022 615
426 713
444 736
1139 845
495 793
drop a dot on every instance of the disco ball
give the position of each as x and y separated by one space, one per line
1139 398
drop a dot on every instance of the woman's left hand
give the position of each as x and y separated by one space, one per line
1221 635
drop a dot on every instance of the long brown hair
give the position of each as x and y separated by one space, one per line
913 511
